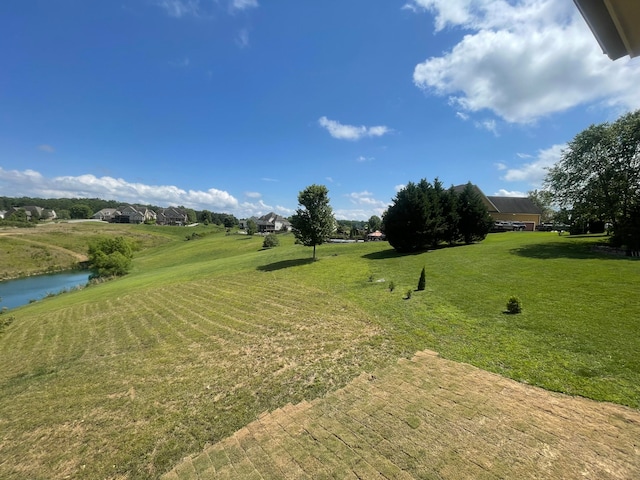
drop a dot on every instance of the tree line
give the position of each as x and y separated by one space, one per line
422 215
597 181
83 208
425 214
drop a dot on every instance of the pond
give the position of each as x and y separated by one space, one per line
14 293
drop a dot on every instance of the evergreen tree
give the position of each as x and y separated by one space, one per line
424 215
474 220
414 221
423 280
451 232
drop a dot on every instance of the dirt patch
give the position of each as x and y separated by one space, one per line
431 418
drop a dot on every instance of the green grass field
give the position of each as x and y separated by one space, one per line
123 379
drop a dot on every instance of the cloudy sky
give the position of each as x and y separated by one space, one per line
237 105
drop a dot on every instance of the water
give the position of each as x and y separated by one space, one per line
14 293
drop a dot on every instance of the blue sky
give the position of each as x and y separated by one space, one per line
237 105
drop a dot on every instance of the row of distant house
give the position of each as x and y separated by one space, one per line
122 214
31 211
138 214
269 223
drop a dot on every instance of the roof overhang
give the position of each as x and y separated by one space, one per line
615 24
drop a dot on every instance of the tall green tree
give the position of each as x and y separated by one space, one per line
423 215
474 221
405 221
543 199
252 227
204 216
314 223
598 174
416 219
374 224
80 210
451 232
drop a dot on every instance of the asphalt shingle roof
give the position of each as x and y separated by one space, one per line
515 205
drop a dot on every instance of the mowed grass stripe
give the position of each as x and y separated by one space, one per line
263 296
164 377
175 331
235 318
204 324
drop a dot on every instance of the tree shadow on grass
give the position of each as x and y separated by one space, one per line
270 267
392 253
564 250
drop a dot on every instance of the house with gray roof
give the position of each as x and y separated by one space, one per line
272 222
509 209
172 216
106 214
133 214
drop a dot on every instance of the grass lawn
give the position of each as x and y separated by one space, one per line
123 379
60 246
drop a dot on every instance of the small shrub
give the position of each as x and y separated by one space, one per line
371 277
392 286
514 305
423 280
408 294
6 321
270 241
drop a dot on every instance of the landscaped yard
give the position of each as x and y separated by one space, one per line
123 379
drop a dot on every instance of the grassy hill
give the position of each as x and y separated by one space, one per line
123 379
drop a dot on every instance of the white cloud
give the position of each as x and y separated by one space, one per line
462 116
242 40
409 6
243 5
284 211
534 172
362 159
46 148
399 187
509 193
201 8
33 184
180 8
523 61
252 194
364 206
366 198
489 125
184 63
351 132
267 179
500 166
354 214
259 208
